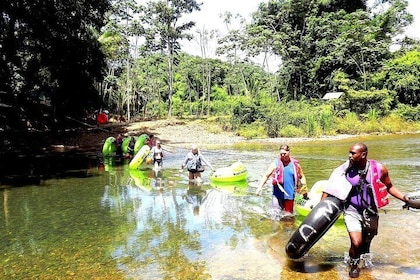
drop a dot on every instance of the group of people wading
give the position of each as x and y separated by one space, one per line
363 185
155 156
194 160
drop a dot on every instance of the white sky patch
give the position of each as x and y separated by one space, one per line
414 9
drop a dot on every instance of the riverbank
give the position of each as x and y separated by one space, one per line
181 133
184 133
177 133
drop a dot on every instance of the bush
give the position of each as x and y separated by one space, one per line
292 131
326 120
245 112
394 123
360 102
408 113
220 101
349 124
156 108
371 126
254 130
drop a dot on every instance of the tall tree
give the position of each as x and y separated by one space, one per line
318 37
233 46
164 31
119 39
204 37
50 55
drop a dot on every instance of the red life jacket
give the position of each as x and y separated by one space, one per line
380 191
341 189
278 173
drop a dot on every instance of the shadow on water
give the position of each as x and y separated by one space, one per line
304 267
31 169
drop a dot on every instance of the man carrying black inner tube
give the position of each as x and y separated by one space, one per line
364 185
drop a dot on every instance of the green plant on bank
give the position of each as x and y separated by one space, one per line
220 101
315 126
303 119
326 120
311 125
372 115
214 124
156 108
265 118
224 122
394 123
408 113
272 122
244 112
292 131
370 122
253 130
363 101
347 124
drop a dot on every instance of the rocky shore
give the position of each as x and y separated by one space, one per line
182 133
173 132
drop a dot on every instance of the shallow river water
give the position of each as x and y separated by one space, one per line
118 223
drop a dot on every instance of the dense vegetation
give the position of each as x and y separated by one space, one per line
50 60
62 60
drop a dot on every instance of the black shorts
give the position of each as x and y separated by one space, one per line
196 170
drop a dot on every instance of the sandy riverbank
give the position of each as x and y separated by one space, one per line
184 133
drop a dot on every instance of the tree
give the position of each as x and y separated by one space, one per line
121 32
164 32
204 37
50 57
114 45
317 38
150 82
400 74
232 46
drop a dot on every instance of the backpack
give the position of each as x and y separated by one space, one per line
194 164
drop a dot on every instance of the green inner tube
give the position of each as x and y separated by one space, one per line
126 142
140 142
109 146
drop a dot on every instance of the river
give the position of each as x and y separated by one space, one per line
116 223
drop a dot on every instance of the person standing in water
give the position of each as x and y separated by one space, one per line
287 178
364 186
130 147
194 162
156 154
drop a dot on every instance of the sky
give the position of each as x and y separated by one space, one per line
414 9
208 17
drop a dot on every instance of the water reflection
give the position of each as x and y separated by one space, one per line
136 224
194 196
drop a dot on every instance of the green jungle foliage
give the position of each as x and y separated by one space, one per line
50 61
61 60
